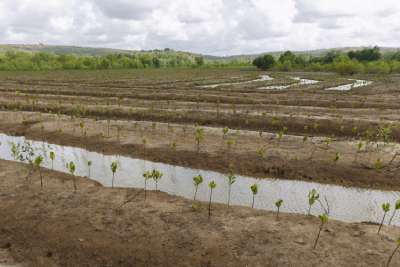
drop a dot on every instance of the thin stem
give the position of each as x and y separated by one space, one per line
392 216
318 236
196 194
209 206
392 255
382 222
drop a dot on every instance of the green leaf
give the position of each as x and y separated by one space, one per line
323 218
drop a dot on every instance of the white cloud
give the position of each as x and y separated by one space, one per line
218 27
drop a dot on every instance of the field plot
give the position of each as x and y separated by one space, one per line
292 126
166 106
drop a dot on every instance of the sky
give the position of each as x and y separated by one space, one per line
210 27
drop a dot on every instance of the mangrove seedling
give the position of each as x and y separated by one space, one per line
304 139
153 125
376 167
280 136
118 136
199 138
108 126
156 176
237 133
311 199
228 145
231 181
315 128
197 181
396 207
386 208
146 176
323 219
278 205
71 168
174 148
184 131
37 162
398 242
254 189
196 208
328 141
212 186
360 145
52 158
113 167
224 132
89 164
335 159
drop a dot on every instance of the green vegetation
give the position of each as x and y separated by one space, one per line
323 219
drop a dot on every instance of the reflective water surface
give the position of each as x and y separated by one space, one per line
346 204
345 87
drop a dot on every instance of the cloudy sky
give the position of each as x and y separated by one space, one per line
215 27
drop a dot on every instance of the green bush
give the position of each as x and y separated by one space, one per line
379 66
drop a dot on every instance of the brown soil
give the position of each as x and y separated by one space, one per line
54 226
213 153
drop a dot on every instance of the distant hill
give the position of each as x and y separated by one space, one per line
317 52
82 51
93 51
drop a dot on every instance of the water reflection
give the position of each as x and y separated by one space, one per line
345 87
346 204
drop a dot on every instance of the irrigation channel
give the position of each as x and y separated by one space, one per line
346 204
345 87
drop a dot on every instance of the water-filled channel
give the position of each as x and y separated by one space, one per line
345 87
263 78
346 204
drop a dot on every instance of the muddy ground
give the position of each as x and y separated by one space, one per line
54 226
212 153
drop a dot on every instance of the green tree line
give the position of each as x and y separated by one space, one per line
368 60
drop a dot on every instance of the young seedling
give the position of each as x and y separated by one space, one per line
231 181
278 205
89 164
144 143
311 199
360 145
199 138
197 181
224 132
237 133
118 136
52 159
228 145
174 148
38 161
315 128
254 189
196 208
323 219
386 208
398 242
153 125
212 186
396 207
156 176
146 176
376 167
335 159
304 139
279 140
71 168
184 131
108 126
81 125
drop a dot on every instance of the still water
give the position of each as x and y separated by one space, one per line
346 204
